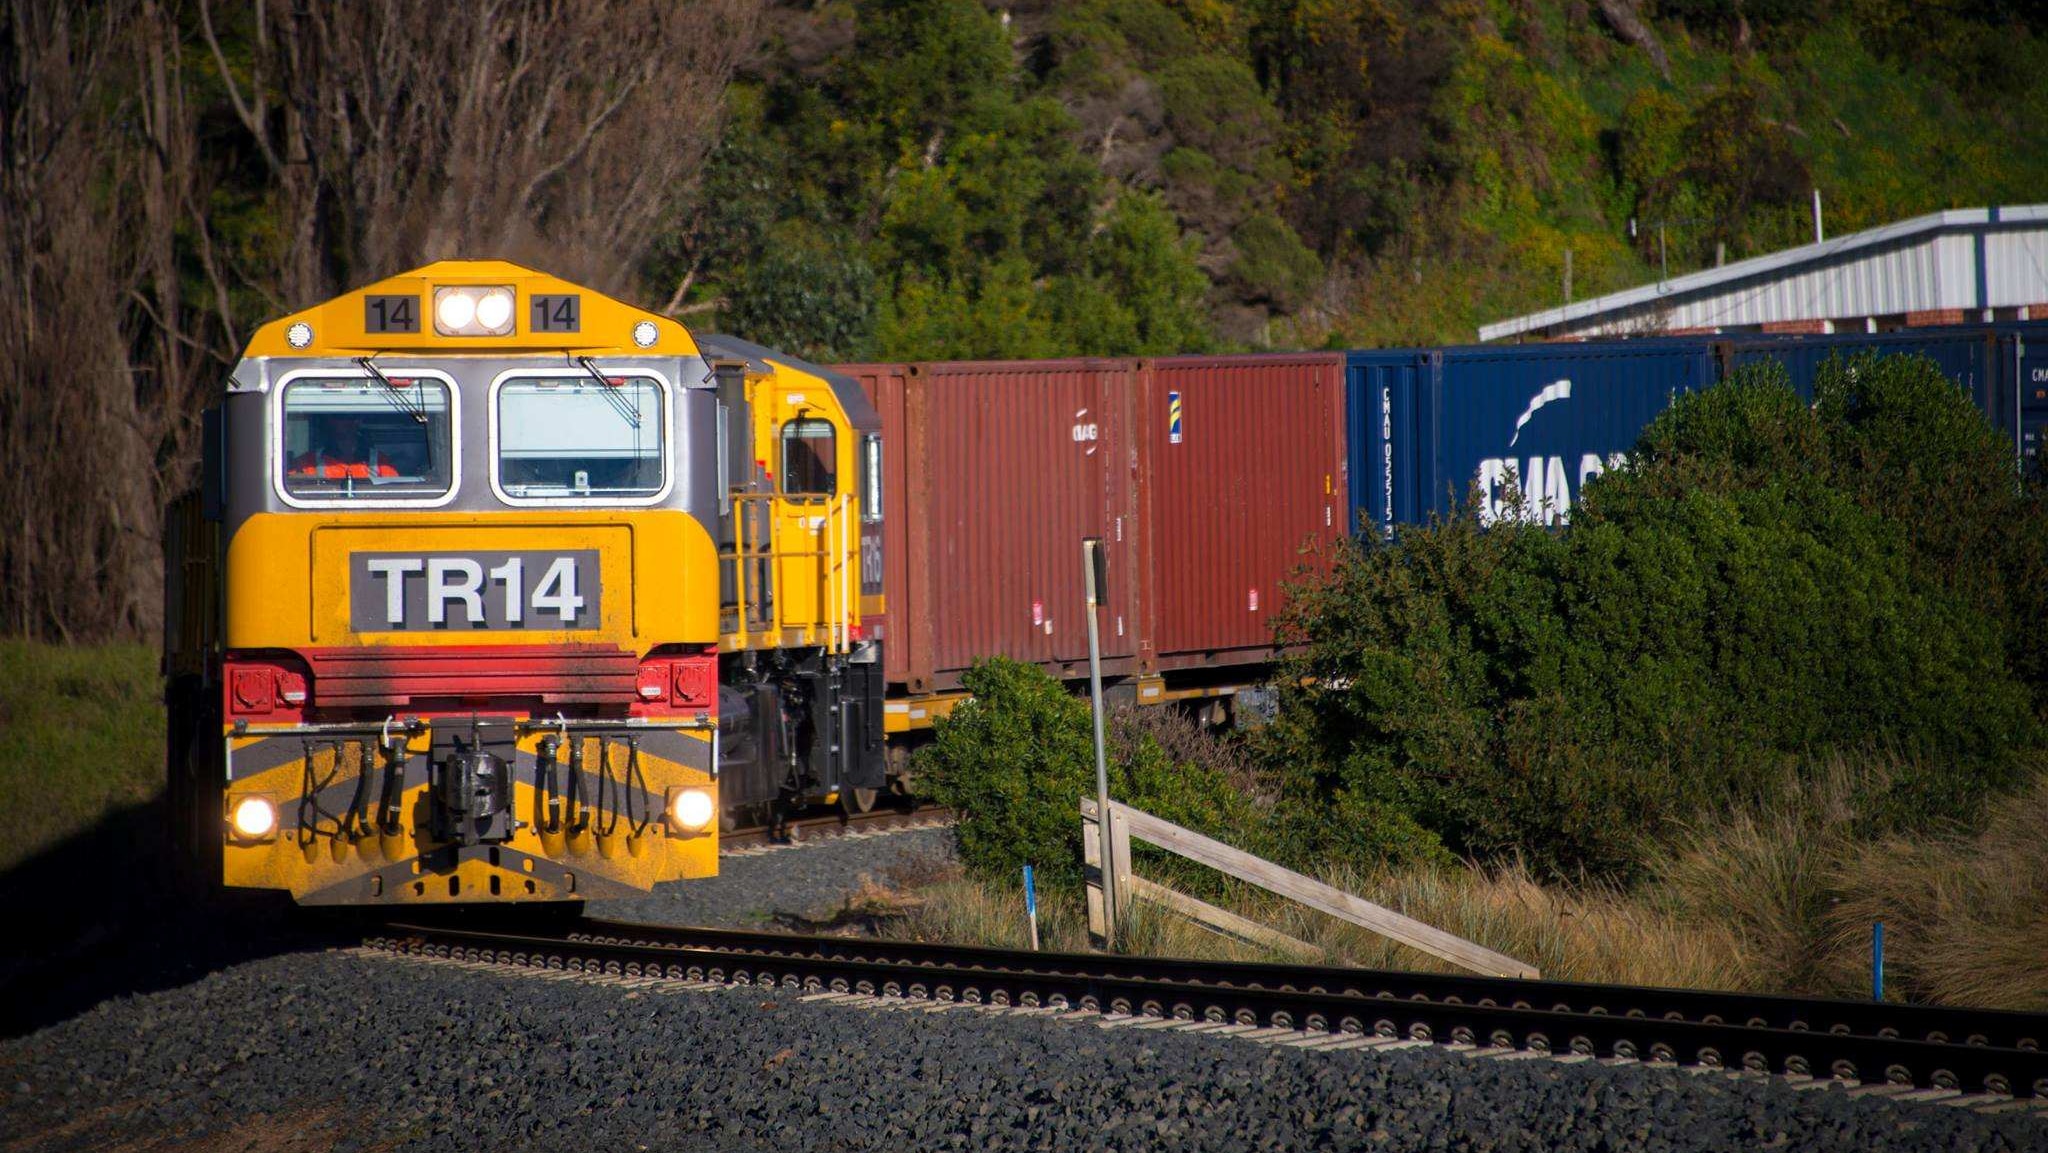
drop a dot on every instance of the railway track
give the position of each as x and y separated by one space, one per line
812 829
1972 1057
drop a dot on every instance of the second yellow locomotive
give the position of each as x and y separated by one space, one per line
496 588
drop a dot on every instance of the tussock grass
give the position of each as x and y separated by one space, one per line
1766 874
1775 897
1591 935
83 732
1799 882
1966 917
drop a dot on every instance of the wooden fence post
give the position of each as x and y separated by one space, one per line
1126 822
1091 872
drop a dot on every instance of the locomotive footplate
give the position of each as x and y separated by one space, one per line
472 807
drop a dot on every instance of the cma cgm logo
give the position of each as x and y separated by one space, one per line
1547 483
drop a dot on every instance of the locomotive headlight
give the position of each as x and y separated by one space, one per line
691 809
299 335
473 310
494 310
454 311
645 334
254 818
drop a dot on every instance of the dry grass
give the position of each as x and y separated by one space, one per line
1580 933
1590 935
1778 899
1964 916
1767 875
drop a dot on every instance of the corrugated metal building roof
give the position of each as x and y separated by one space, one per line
1955 267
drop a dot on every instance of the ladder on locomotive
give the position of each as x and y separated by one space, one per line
761 582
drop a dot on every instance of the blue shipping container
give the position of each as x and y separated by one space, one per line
1381 437
2023 358
1968 356
1475 422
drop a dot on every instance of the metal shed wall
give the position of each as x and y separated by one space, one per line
1965 261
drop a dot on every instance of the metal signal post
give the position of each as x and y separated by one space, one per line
1093 577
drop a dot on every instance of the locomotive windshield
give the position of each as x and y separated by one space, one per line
573 437
352 438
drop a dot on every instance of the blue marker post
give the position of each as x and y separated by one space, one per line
1877 961
1031 907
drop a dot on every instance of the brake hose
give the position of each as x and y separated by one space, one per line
358 808
636 789
544 773
604 785
578 818
310 811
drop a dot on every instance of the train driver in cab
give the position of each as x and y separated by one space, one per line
341 451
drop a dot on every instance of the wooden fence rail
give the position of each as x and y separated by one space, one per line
1127 822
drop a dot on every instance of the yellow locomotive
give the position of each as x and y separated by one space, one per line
495 588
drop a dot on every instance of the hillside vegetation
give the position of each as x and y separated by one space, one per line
935 179
896 179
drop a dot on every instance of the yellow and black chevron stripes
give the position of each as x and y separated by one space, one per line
356 827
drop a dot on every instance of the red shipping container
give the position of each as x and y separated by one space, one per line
1243 467
993 472
999 469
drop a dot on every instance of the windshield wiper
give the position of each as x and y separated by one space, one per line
627 412
396 395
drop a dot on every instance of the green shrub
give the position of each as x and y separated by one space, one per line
1015 761
1273 263
1761 586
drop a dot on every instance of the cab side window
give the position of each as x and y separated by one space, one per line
809 457
871 479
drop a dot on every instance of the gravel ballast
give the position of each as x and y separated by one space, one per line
797 886
357 1051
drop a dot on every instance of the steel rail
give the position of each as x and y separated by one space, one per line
1938 1024
831 826
1153 987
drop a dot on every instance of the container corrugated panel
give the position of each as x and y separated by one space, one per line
1426 426
1967 356
1381 436
1241 481
1546 418
1002 468
2024 353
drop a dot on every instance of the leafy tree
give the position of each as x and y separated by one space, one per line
1142 292
808 291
